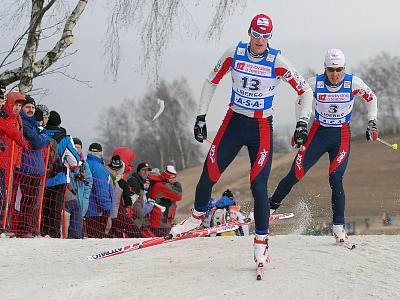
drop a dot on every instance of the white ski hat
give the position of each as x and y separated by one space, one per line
334 58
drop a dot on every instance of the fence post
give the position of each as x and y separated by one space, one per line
9 186
46 163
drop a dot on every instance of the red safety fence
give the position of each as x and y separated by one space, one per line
29 208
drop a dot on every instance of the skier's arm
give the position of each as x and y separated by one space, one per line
222 67
361 89
285 70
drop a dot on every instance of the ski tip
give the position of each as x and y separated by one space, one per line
353 247
259 277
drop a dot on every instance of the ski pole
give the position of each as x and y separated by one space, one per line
393 146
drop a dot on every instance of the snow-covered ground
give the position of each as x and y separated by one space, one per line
302 267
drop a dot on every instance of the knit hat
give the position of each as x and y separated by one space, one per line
228 193
143 165
95 147
29 100
77 141
44 109
54 119
115 163
169 172
38 115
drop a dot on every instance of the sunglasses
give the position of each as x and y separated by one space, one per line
257 35
338 70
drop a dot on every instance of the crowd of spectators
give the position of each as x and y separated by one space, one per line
50 188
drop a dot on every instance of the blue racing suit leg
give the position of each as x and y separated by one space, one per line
223 150
339 156
259 140
316 145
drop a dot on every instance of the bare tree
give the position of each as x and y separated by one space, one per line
160 142
33 66
382 74
155 22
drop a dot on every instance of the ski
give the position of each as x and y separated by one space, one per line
229 226
347 245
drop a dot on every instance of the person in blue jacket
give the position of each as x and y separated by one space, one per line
78 193
63 158
27 179
101 198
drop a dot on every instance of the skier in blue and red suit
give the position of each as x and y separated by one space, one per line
256 71
334 92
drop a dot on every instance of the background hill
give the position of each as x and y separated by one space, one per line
372 185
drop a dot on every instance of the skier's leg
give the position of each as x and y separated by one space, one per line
338 156
260 153
223 150
259 143
304 160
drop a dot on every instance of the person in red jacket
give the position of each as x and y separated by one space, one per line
10 131
165 190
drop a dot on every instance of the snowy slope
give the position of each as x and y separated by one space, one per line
302 267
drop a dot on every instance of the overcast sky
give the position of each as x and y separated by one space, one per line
303 30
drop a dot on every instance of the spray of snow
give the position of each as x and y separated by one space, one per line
303 215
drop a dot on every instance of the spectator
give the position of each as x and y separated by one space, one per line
139 185
45 111
165 191
101 198
10 131
27 178
127 156
123 224
78 193
63 158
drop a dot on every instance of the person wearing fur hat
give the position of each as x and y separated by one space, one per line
63 158
165 190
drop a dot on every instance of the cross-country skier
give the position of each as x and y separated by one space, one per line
334 92
256 71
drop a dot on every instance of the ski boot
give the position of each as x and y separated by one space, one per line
261 255
339 233
273 206
188 224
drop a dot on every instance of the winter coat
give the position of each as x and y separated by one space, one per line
136 186
33 158
165 194
11 130
69 157
79 190
101 197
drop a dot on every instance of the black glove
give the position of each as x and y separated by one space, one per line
200 128
3 146
300 134
372 131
